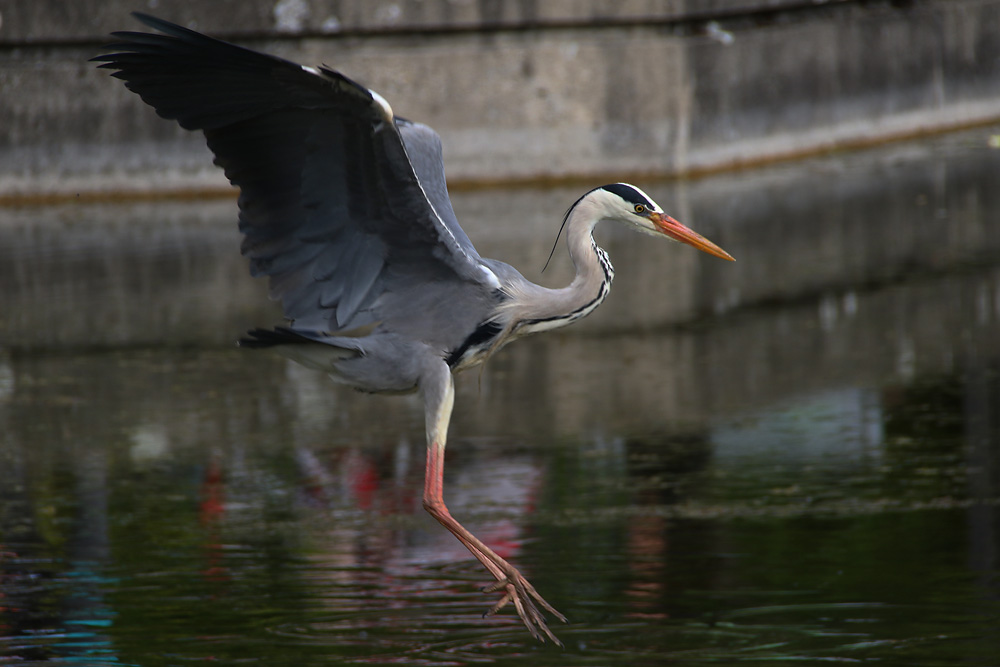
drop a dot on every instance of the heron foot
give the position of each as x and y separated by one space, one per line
519 591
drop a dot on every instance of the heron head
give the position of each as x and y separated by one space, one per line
627 203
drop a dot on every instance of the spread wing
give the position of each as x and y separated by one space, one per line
423 145
329 198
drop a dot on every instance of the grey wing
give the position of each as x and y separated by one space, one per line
329 199
423 145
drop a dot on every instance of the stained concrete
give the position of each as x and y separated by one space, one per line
816 235
55 20
521 90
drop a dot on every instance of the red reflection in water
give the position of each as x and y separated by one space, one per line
211 511
392 547
647 548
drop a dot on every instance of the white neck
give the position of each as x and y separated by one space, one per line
536 308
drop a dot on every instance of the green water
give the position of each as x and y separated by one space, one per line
162 508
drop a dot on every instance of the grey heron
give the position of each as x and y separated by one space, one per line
343 206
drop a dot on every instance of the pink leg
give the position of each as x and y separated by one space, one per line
516 589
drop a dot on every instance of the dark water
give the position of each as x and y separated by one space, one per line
793 459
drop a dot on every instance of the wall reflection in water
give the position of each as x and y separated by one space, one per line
795 455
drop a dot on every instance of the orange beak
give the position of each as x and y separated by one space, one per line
679 232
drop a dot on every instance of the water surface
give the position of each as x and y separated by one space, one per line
793 458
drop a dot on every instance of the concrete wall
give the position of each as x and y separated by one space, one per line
46 21
521 90
816 236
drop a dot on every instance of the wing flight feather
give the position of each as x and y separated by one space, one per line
329 196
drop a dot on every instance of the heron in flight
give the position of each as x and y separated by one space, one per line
344 207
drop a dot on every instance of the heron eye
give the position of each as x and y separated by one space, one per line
639 208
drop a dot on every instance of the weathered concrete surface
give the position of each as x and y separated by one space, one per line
46 21
821 233
522 90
